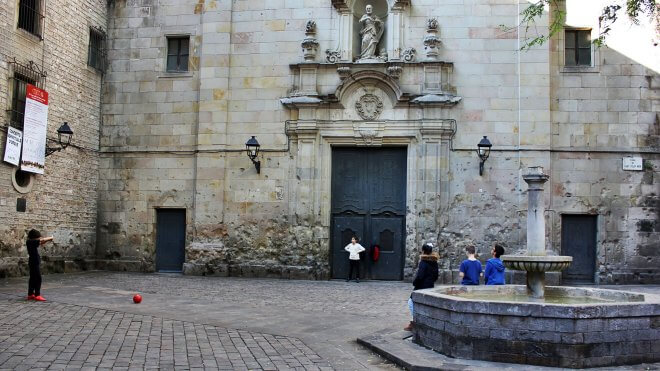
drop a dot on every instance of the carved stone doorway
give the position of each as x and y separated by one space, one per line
369 200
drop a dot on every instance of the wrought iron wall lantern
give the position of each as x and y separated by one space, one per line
483 151
64 134
252 148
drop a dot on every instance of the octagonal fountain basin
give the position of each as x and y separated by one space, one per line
570 327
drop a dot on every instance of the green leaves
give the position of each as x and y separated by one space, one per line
534 12
634 9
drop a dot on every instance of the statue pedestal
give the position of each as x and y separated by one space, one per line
372 60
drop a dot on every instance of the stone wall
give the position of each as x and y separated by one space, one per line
598 116
175 141
150 129
607 328
601 114
62 202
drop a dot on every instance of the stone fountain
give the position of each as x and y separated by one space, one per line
534 324
536 262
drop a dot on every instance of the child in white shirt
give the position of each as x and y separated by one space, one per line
354 249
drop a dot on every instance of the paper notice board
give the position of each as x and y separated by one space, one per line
34 130
13 146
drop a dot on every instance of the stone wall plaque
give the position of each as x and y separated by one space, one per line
633 163
369 107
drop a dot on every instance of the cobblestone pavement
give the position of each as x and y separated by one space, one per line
189 322
62 336
373 299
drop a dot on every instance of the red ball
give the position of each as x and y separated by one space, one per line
137 298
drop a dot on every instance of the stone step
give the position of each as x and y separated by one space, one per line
398 347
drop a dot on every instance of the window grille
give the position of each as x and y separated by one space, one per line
177 54
22 75
96 51
577 47
30 16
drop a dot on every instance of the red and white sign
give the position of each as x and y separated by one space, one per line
34 130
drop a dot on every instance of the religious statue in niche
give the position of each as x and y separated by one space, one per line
372 30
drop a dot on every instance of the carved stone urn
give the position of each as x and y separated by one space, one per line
309 45
431 40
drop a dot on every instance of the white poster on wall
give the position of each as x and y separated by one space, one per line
13 146
34 130
633 163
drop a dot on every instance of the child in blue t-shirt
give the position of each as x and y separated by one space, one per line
470 269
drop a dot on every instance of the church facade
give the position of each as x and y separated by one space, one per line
368 116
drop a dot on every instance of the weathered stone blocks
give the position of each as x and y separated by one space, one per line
62 201
621 329
240 67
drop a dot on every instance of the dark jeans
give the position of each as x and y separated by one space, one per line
354 265
34 284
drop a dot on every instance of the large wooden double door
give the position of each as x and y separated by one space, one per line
369 201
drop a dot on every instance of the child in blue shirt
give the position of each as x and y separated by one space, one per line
470 269
494 268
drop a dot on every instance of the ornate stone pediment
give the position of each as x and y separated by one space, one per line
370 77
435 89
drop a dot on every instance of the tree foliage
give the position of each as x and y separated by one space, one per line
633 9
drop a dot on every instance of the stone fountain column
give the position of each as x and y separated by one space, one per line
536 262
535 228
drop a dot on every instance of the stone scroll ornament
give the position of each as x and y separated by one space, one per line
409 54
369 107
371 32
332 56
309 44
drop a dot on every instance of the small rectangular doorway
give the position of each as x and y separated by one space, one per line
368 191
578 239
170 239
